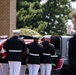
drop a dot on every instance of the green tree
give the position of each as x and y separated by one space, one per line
56 13
28 14
49 17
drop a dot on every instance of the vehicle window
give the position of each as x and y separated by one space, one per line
56 42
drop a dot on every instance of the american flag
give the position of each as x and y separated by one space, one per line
2 51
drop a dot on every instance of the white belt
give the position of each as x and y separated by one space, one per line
33 54
15 50
47 54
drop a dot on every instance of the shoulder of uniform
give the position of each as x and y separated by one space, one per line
8 39
51 44
43 42
20 39
40 45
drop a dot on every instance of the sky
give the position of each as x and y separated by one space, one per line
73 4
43 1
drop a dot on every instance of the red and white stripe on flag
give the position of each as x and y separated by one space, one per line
4 53
27 41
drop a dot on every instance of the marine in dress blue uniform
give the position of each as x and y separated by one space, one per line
15 47
35 51
45 61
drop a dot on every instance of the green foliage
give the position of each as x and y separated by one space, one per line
49 17
29 32
28 14
56 14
